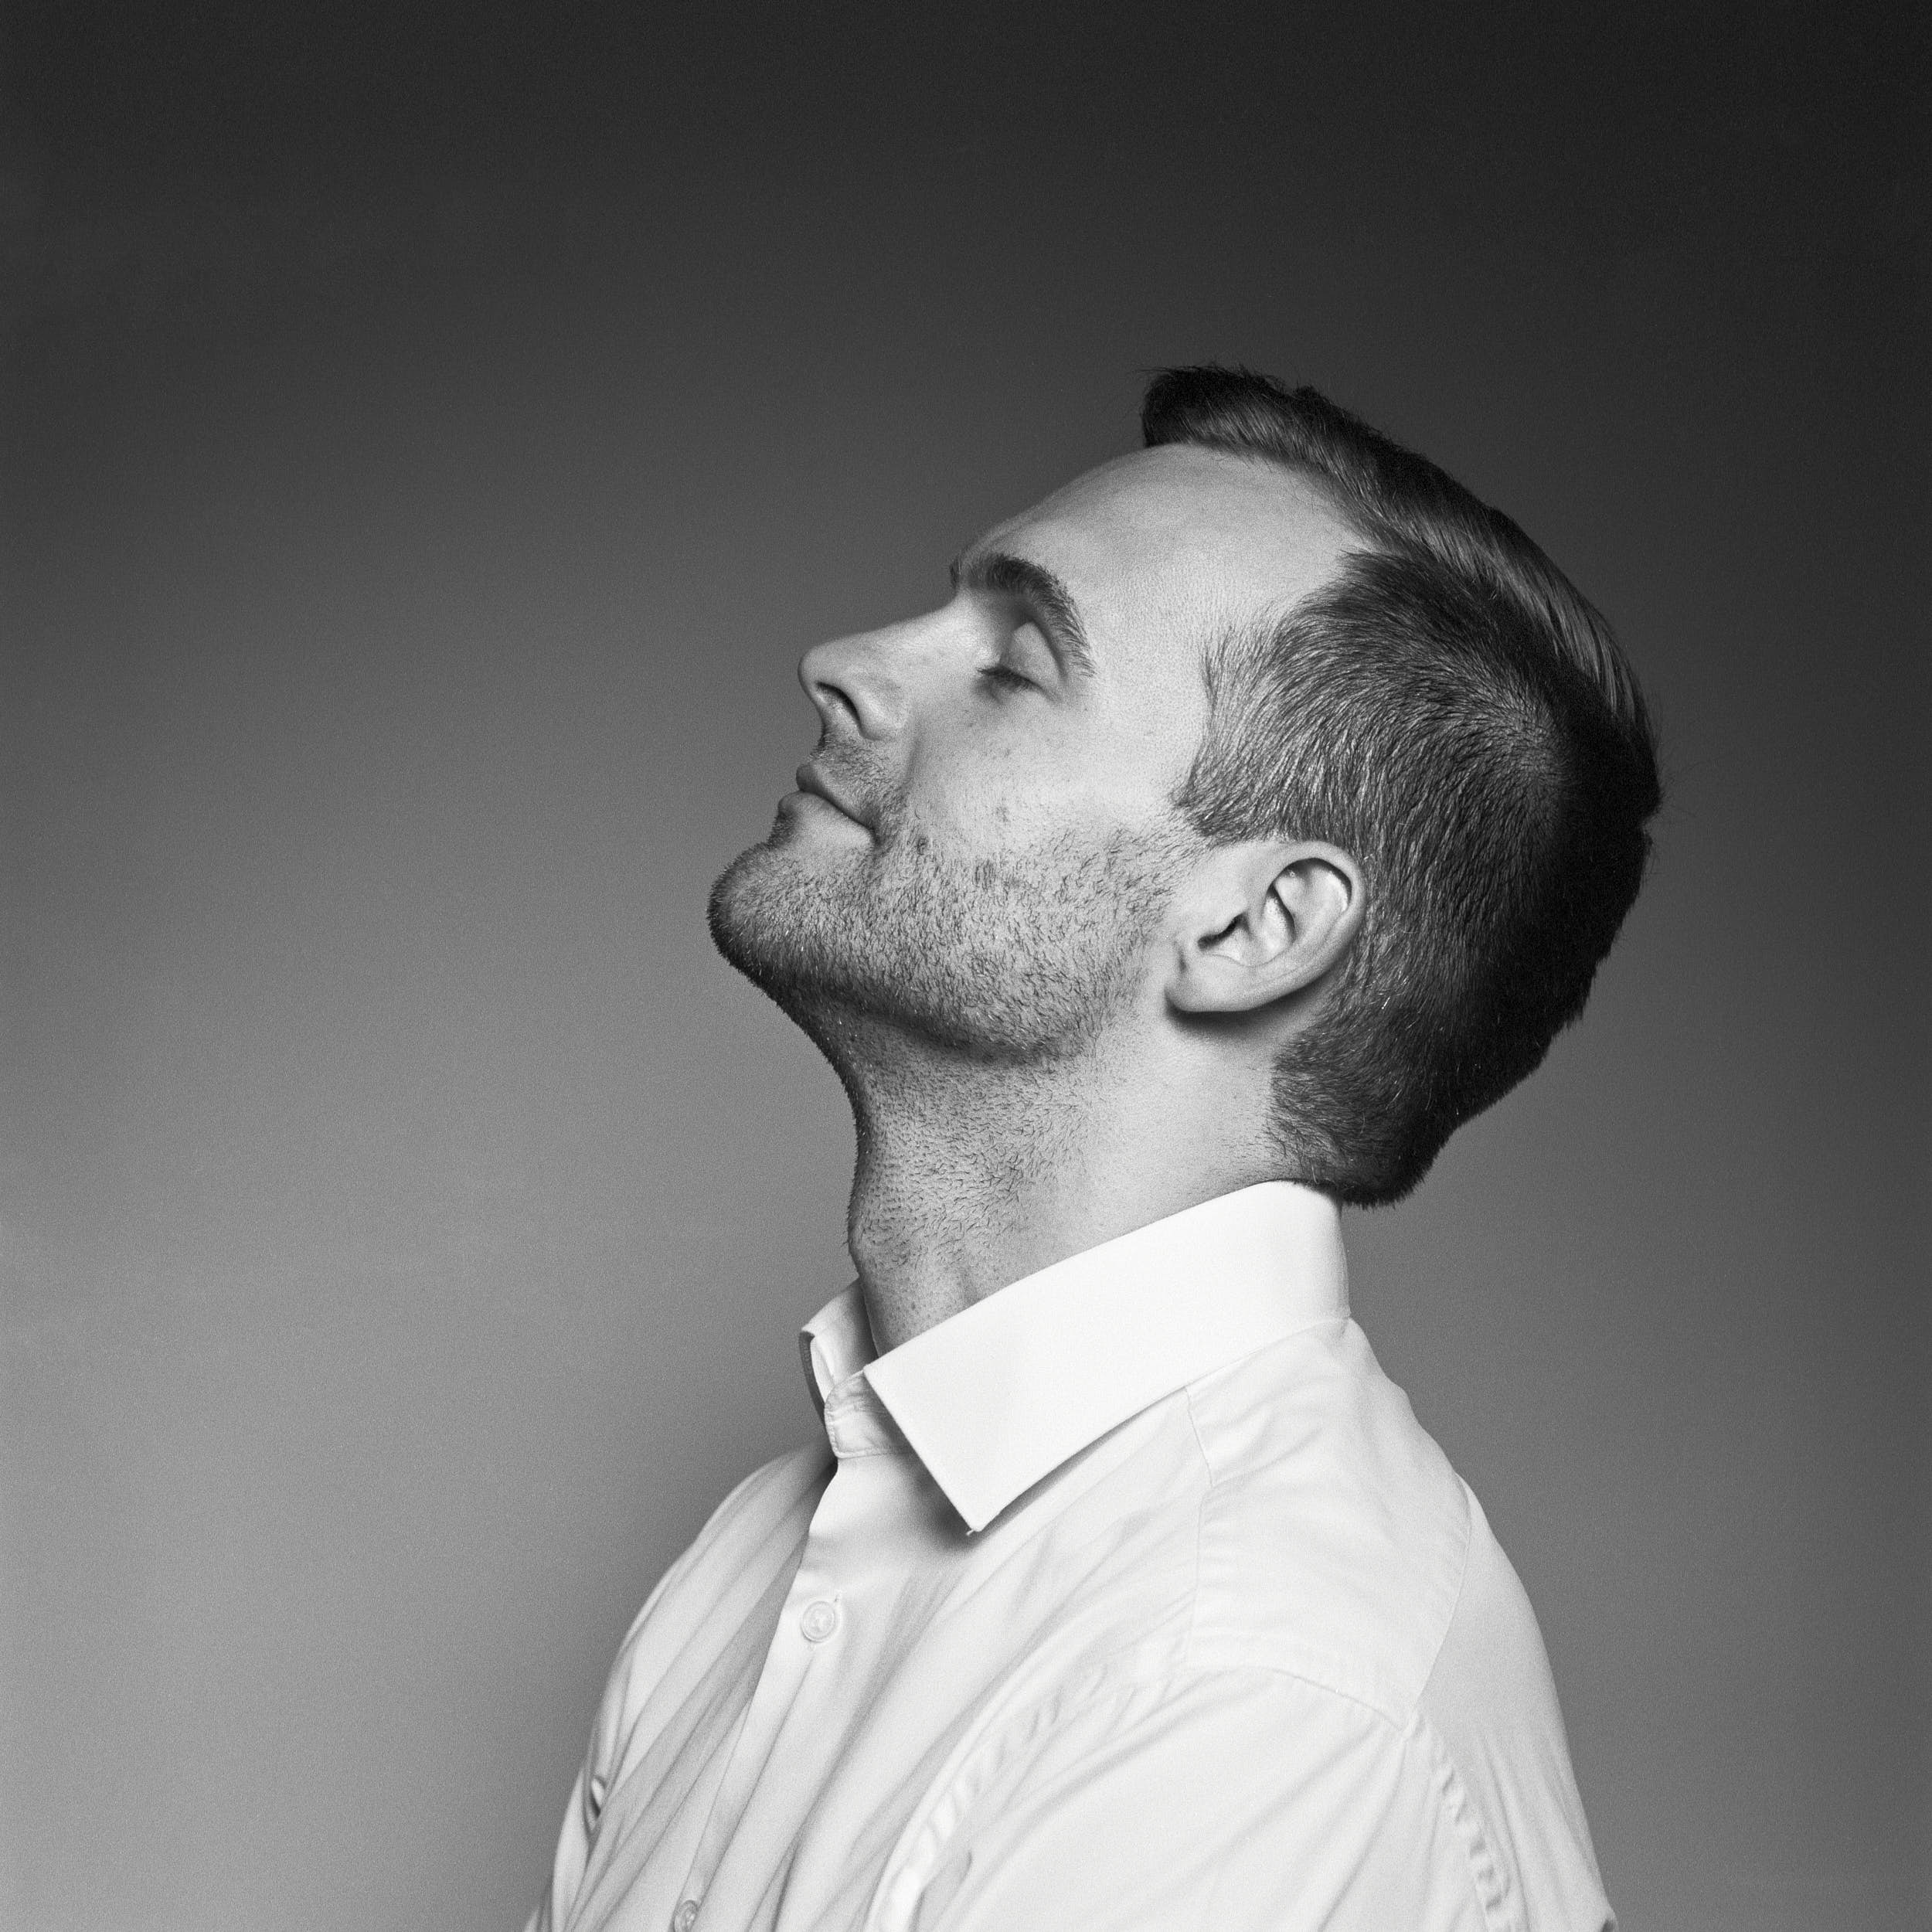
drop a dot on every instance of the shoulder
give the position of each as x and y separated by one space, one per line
1333 1533
1491 1702
1338 1547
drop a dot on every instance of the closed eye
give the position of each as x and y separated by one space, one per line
1007 677
997 573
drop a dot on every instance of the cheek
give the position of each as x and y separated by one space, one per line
999 778
1002 784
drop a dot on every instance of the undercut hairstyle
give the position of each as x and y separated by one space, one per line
1452 713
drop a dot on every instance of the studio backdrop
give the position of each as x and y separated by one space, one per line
432 436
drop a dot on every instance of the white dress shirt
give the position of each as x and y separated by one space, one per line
1131 1597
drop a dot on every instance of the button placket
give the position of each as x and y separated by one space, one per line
855 1521
808 1616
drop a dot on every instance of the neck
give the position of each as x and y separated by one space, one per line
970 1175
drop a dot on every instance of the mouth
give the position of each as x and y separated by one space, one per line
810 781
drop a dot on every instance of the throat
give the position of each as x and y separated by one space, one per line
958 1185
970 1177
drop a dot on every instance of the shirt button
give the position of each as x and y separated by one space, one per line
818 1621
685 1916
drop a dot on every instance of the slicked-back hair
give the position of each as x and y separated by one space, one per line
1452 712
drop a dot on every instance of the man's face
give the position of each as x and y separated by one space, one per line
984 845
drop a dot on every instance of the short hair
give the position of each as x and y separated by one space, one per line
1451 712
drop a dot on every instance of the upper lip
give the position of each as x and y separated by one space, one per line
811 780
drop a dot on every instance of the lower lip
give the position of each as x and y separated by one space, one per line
811 802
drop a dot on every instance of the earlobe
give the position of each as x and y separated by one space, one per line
1273 922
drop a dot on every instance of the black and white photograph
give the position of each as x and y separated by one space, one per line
965 967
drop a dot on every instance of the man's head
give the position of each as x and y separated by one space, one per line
1271 726
1008 766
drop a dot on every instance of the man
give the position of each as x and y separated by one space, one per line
1256 811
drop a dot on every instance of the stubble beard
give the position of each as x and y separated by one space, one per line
1019 958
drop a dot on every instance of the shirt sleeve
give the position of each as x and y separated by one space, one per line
1226 1802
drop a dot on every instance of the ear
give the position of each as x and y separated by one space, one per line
1262 920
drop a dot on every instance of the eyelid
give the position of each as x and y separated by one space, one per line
1020 581
1002 673
1064 655
1031 620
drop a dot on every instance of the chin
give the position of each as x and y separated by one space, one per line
1023 964
760 901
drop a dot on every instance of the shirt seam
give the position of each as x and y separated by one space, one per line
1304 1677
1480 1867
1200 1529
936 1819
1455 1605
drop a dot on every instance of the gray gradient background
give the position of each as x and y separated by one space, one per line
431 439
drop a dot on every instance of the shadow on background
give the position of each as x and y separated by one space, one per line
432 435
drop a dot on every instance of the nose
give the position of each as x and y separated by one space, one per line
853 684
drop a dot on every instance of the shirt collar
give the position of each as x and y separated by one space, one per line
836 1343
1000 1394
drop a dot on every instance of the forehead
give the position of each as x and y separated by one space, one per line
1172 541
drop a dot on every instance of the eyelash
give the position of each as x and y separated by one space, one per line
1006 677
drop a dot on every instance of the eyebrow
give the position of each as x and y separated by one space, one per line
1000 573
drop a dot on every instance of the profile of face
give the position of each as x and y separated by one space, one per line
983 851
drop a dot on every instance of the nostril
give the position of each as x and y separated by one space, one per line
817 674
854 684
835 705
